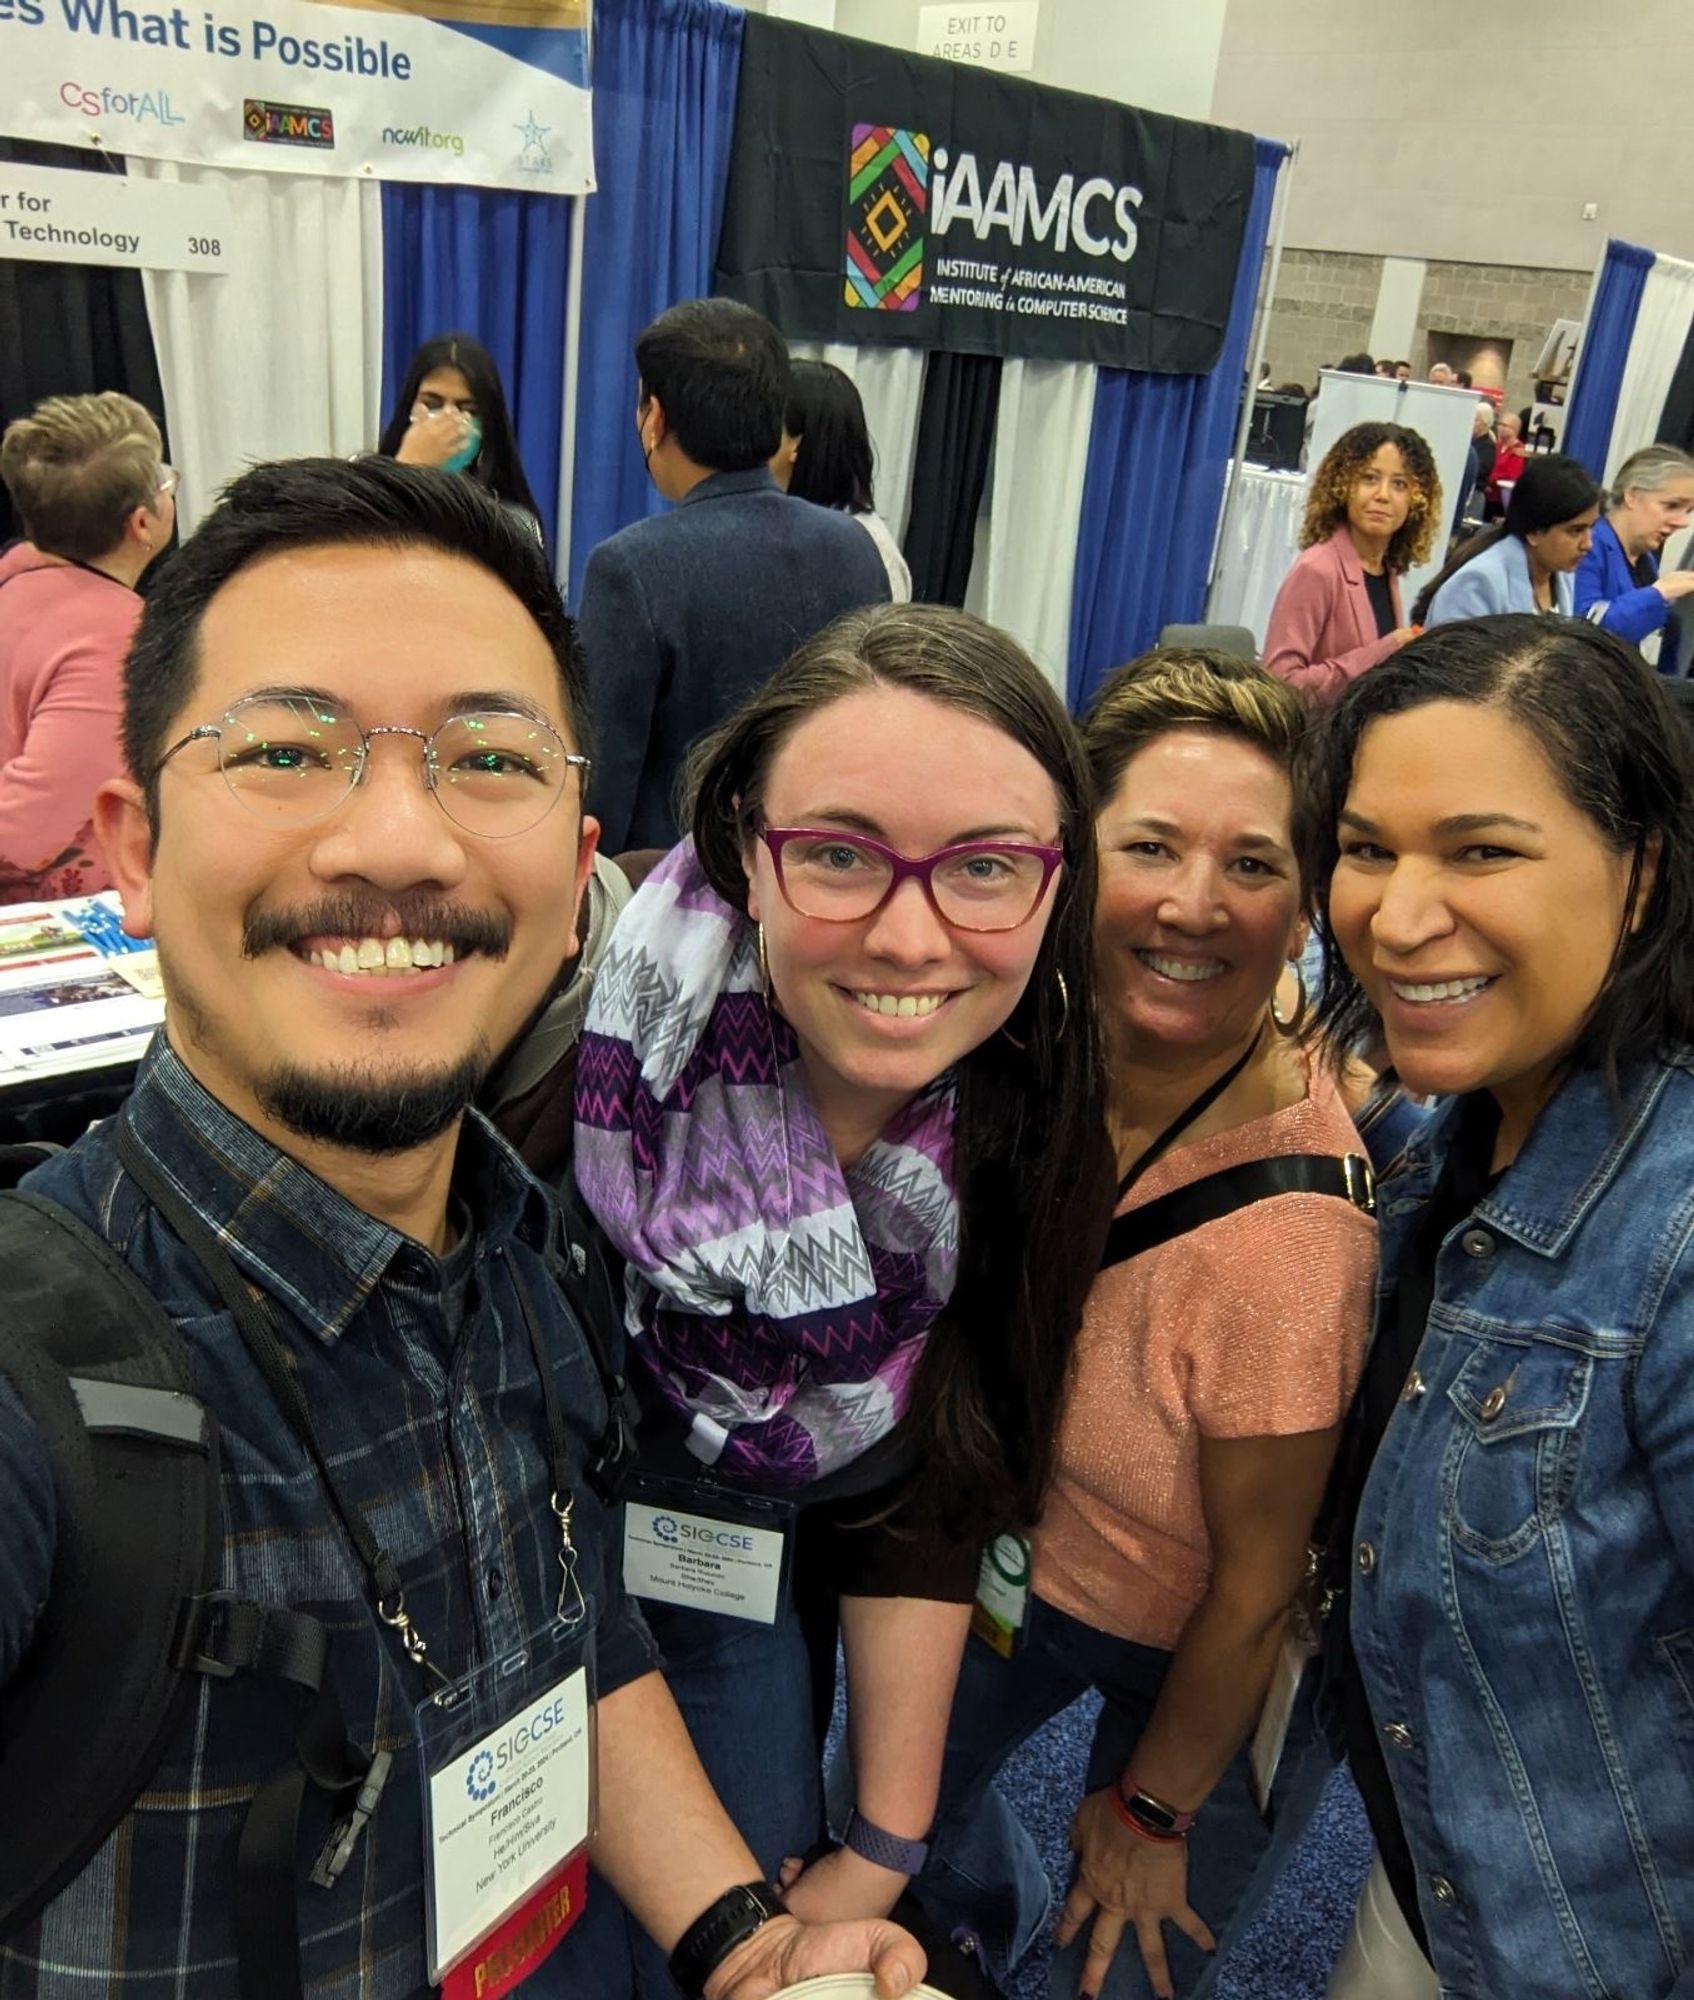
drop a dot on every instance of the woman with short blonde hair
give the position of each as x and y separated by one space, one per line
88 480
1220 1344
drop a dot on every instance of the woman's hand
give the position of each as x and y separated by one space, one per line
433 436
839 1886
1677 584
1122 1881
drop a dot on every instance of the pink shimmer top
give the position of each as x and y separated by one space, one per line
1251 1326
64 632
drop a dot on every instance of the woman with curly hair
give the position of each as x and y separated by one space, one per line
1371 515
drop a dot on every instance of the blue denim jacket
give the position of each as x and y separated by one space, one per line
1523 1566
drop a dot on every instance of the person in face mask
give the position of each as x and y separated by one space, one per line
451 412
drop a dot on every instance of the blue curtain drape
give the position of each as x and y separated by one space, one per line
1605 348
1157 457
493 264
665 74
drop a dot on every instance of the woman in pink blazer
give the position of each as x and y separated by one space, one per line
1371 515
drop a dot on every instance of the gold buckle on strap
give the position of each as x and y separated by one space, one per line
1360 1182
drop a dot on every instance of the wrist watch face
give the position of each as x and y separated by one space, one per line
1152 1812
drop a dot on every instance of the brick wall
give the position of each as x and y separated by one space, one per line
1498 302
1474 315
1325 301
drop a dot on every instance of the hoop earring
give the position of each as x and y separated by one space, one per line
1064 1017
1295 1021
764 960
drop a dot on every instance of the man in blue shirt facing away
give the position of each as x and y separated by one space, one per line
357 835
685 614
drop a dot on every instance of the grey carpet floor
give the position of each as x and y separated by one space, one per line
1288 1953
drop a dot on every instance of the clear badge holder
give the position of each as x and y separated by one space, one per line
508 1769
692 1542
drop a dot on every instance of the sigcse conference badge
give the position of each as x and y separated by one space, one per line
732 1560
507 1809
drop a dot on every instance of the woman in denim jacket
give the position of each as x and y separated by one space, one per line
1502 837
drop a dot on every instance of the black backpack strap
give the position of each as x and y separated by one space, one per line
134 1624
103 1375
1348 1178
580 1261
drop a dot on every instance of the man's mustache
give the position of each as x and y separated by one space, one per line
408 915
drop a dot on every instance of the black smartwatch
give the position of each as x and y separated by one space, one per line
718 1929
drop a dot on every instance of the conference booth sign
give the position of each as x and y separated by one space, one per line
880 197
489 93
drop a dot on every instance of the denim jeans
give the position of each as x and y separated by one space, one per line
984 1874
745 1694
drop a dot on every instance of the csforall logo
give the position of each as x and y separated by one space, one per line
887 201
480 1780
103 101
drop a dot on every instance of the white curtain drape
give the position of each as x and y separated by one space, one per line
281 355
1261 538
1661 333
1026 548
890 385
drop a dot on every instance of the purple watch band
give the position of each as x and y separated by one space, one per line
887 1850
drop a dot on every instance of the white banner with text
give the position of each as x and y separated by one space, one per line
488 93
55 215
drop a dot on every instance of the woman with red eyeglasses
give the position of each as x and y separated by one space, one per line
838 1109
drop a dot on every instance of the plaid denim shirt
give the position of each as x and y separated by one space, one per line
444 1451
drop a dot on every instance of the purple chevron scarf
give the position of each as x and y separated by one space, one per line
780 1304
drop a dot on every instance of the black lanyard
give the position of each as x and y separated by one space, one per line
254 1321
1186 1117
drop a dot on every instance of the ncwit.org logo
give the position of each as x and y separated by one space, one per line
480 1780
425 136
887 199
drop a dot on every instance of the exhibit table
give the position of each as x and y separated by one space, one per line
78 1005
1261 538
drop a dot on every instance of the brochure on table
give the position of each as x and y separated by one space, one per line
75 994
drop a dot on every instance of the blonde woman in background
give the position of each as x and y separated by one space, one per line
89 483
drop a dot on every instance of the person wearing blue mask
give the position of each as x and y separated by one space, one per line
451 412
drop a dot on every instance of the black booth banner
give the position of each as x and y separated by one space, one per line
876 196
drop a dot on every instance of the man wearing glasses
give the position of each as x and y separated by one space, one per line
95 500
356 830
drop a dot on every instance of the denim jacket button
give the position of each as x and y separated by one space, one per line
1398 1734
1442 1890
1477 1243
1493 1403
1367 1558
1414 1388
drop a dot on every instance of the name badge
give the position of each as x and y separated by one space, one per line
732 1559
1002 1594
508 1768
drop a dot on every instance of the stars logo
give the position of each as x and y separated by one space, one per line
535 158
479 1779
